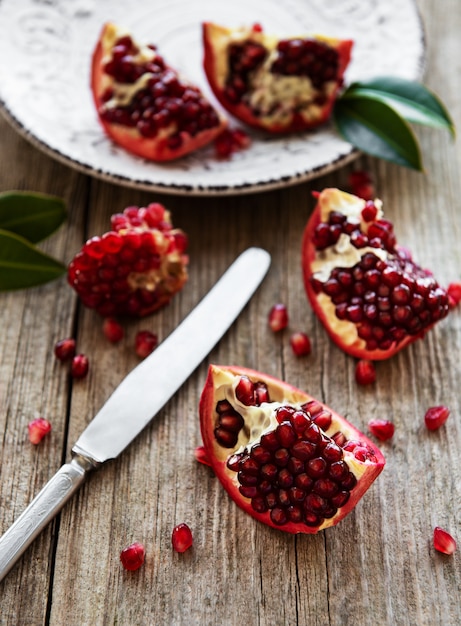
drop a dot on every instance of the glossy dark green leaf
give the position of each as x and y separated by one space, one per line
33 216
377 129
22 265
415 102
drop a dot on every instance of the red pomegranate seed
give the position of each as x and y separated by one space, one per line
362 185
80 366
381 429
436 416
38 428
443 541
145 343
181 538
300 344
112 329
278 317
365 372
454 294
132 557
64 349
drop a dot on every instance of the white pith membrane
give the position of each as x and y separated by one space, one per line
276 96
259 420
342 254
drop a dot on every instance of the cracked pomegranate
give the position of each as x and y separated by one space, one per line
443 541
285 458
278 85
37 429
143 104
134 269
181 538
436 416
133 556
369 293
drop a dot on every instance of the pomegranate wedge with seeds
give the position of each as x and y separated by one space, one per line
134 269
285 458
278 85
371 296
143 104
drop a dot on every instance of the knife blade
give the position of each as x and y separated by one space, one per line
139 397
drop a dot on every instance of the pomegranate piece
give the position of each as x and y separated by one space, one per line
80 366
278 317
132 557
285 458
381 429
181 538
300 344
135 268
37 429
113 330
443 541
64 349
145 343
365 372
436 416
278 85
143 104
369 293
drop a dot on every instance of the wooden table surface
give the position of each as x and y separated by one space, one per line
378 566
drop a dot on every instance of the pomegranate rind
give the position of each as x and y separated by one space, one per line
216 39
342 332
365 472
153 149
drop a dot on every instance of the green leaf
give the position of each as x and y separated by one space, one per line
375 128
22 265
415 102
33 216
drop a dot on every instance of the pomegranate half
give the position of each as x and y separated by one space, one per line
278 85
143 104
372 298
285 458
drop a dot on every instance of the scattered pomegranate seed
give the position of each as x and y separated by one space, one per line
64 350
202 456
278 317
112 329
38 428
80 366
381 429
454 294
230 141
145 343
436 416
132 557
443 541
181 538
300 344
365 373
362 185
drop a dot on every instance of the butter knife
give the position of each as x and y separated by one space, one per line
138 399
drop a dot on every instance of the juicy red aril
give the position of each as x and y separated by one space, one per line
278 317
113 330
436 416
145 343
64 349
306 57
362 186
230 141
181 538
38 428
300 344
365 373
443 541
454 294
242 60
295 472
382 429
80 366
132 557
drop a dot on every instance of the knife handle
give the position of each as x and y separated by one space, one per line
46 504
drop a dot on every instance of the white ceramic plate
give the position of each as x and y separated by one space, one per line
46 47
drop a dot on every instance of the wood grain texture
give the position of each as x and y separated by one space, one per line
378 567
